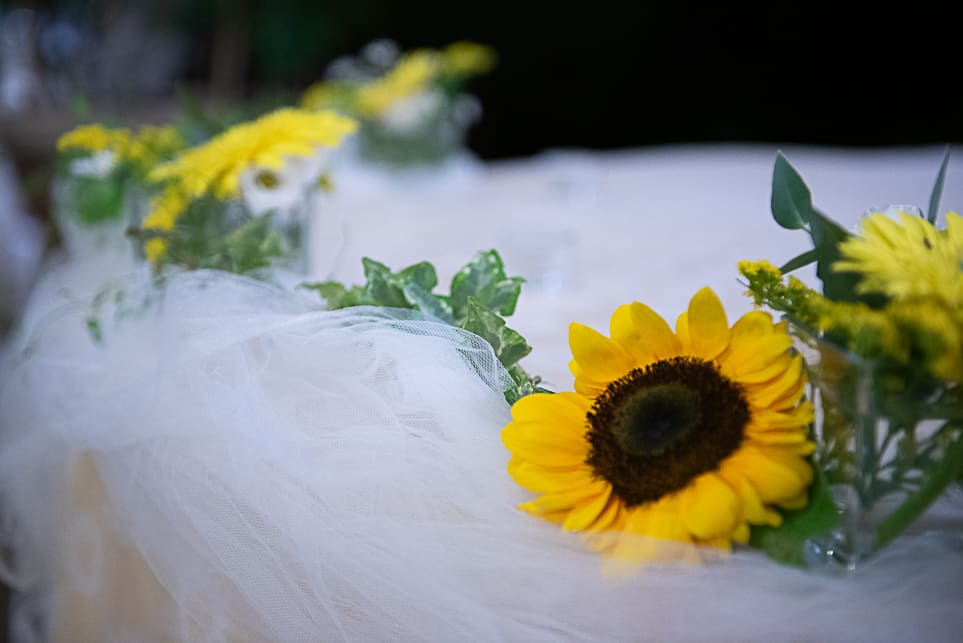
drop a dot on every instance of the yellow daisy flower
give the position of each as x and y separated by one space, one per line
908 258
216 166
688 436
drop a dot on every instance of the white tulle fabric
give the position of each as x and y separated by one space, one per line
231 463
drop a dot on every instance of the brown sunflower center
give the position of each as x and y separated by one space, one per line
656 429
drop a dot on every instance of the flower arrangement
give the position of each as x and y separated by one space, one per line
412 107
235 202
818 438
101 171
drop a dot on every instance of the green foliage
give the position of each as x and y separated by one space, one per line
480 295
791 201
934 206
215 236
792 208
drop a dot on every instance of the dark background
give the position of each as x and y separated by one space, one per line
604 74
597 74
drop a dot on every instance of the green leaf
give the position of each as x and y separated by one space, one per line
934 482
484 279
423 274
786 543
827 235
426 302
933 211
382 288
799 261
791 201
336 295
508 344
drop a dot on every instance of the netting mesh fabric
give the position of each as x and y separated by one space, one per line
231 463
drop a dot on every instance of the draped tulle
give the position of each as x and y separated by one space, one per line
217 459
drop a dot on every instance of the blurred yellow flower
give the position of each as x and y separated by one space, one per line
411 75
907 259
216 166
94 138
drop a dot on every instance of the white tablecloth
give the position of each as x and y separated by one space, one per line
590 232
609 228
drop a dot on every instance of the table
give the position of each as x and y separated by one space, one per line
591 231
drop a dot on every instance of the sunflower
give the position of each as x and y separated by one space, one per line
907 259
689 436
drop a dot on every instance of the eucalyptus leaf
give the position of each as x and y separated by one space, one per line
799 261
786 543
791 202
827 235
934 208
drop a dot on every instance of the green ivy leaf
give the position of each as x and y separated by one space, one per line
423 274
791 202
335 295
786 543
426 302
382 289
933 211
484 279
508 344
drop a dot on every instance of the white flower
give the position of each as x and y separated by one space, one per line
284 192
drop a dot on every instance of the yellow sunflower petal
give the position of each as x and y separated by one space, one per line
682 331
643 333
784 390
549 479
710 507
751 355
563 411
708 326
566 500
741 534
585 385
598 356
542 448
776 474
586 513
753 508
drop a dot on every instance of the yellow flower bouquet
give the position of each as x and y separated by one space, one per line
239 201
883 344
101 182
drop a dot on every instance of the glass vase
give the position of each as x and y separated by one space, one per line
889 445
